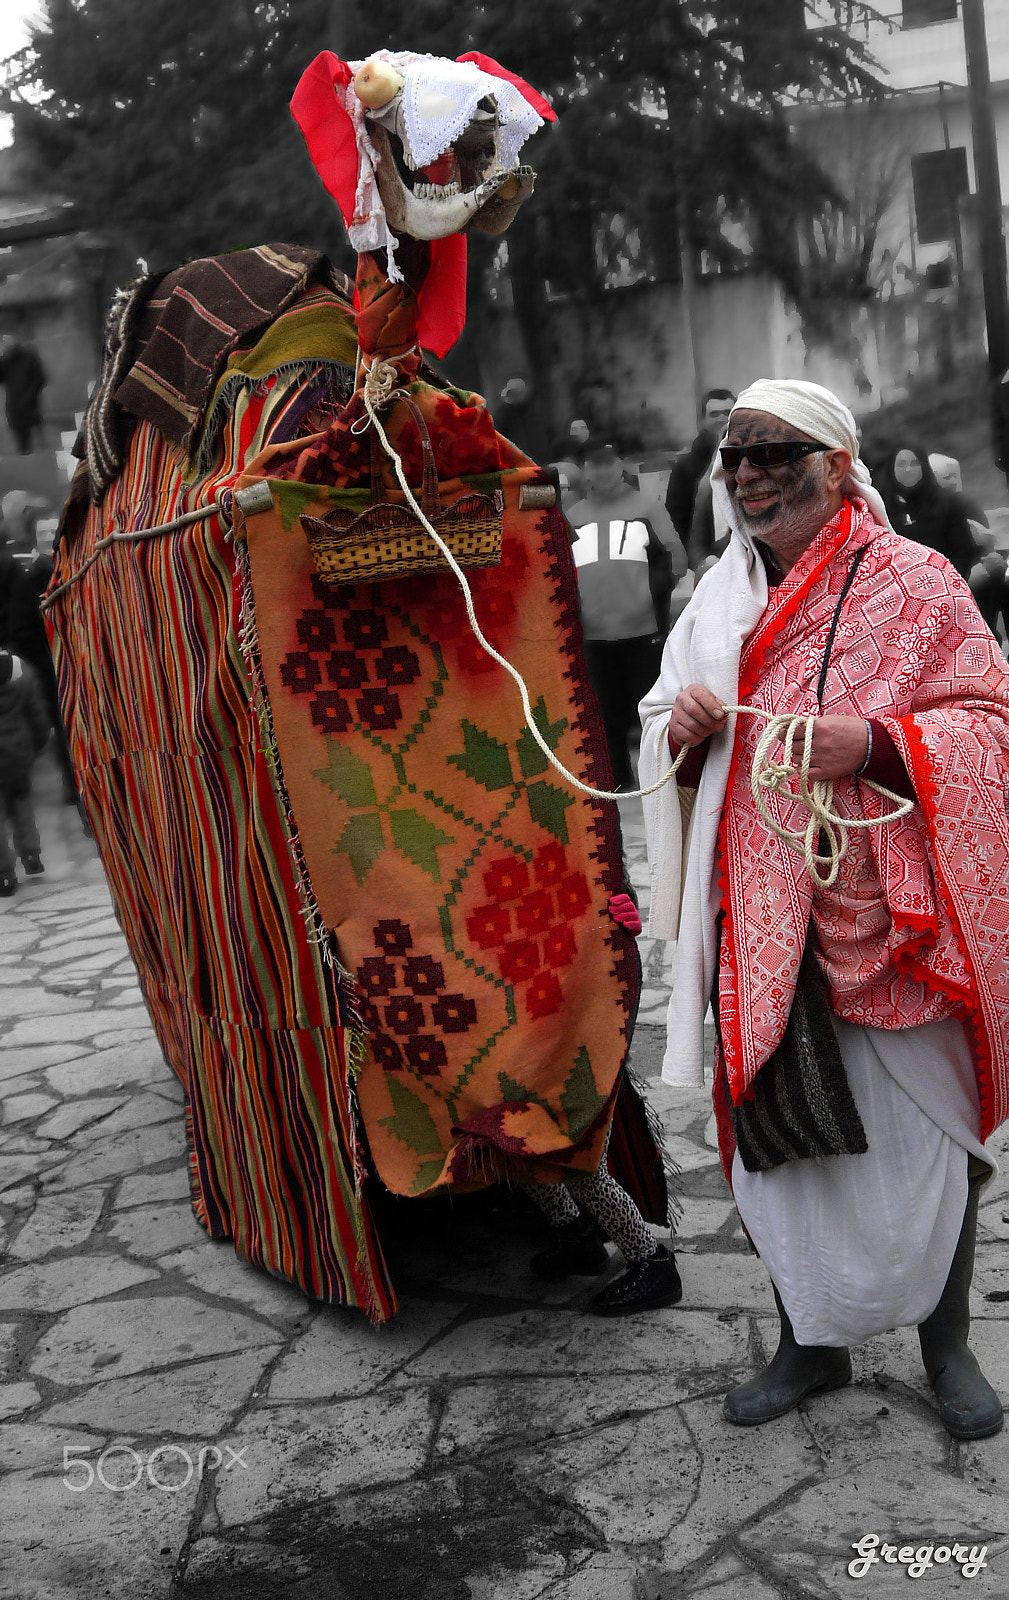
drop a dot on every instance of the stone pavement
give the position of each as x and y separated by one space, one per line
174 1423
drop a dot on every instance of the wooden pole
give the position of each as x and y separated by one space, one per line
989 197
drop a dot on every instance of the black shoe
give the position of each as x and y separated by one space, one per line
645 1286
577 1249
32 863
795 1371
8 883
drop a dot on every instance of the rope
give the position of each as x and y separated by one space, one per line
377 384
218 509
767 776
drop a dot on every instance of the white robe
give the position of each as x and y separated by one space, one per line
858 1244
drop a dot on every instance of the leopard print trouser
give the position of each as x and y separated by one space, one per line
609 1206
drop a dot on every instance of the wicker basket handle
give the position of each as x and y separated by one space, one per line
429 499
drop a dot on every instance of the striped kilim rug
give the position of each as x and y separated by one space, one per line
185 812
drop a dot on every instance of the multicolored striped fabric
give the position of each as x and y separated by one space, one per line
172 768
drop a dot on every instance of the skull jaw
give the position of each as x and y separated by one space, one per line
427 217
497 213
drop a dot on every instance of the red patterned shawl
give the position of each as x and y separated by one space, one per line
912 650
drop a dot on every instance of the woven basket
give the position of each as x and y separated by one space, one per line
388 541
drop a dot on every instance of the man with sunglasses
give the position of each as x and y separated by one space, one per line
862 1056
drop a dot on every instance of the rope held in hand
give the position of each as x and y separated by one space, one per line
767 776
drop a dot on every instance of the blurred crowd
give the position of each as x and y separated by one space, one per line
645 529
29 708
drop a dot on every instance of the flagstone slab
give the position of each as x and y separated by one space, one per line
16 1141
193 1403
138 1032
739 1472
23 1107
20 1085
214 1266
557 1340
691 1157
56 1285
74 1025
120 1154
297 1453
725 1280
9 1333
103 931
76 1114
20 1062
62 1546
134 1061
144 1188
615 1483
514 1414
124 1337
142 1109
89 968
342 1355
912 1503
36 1447
16 1398
78 904
702 1219
31 1002
14 1170
58 1222
159 1230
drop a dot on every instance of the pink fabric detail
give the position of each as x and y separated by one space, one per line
623 910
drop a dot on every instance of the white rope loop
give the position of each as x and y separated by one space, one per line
768 776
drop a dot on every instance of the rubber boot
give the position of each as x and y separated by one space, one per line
576 1249
968 1405
795 1371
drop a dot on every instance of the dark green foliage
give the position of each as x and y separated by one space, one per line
167 122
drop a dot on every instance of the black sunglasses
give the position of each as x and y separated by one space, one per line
767 453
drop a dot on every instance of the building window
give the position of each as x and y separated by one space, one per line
920 13
940 179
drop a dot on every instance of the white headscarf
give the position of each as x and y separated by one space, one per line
816 412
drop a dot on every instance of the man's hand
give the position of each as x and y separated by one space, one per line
696 715
840 746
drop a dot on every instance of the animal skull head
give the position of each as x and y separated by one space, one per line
464 187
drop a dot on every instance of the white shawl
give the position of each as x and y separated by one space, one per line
705 647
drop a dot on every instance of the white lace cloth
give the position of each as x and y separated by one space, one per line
439 98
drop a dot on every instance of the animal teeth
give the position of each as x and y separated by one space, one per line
436 191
